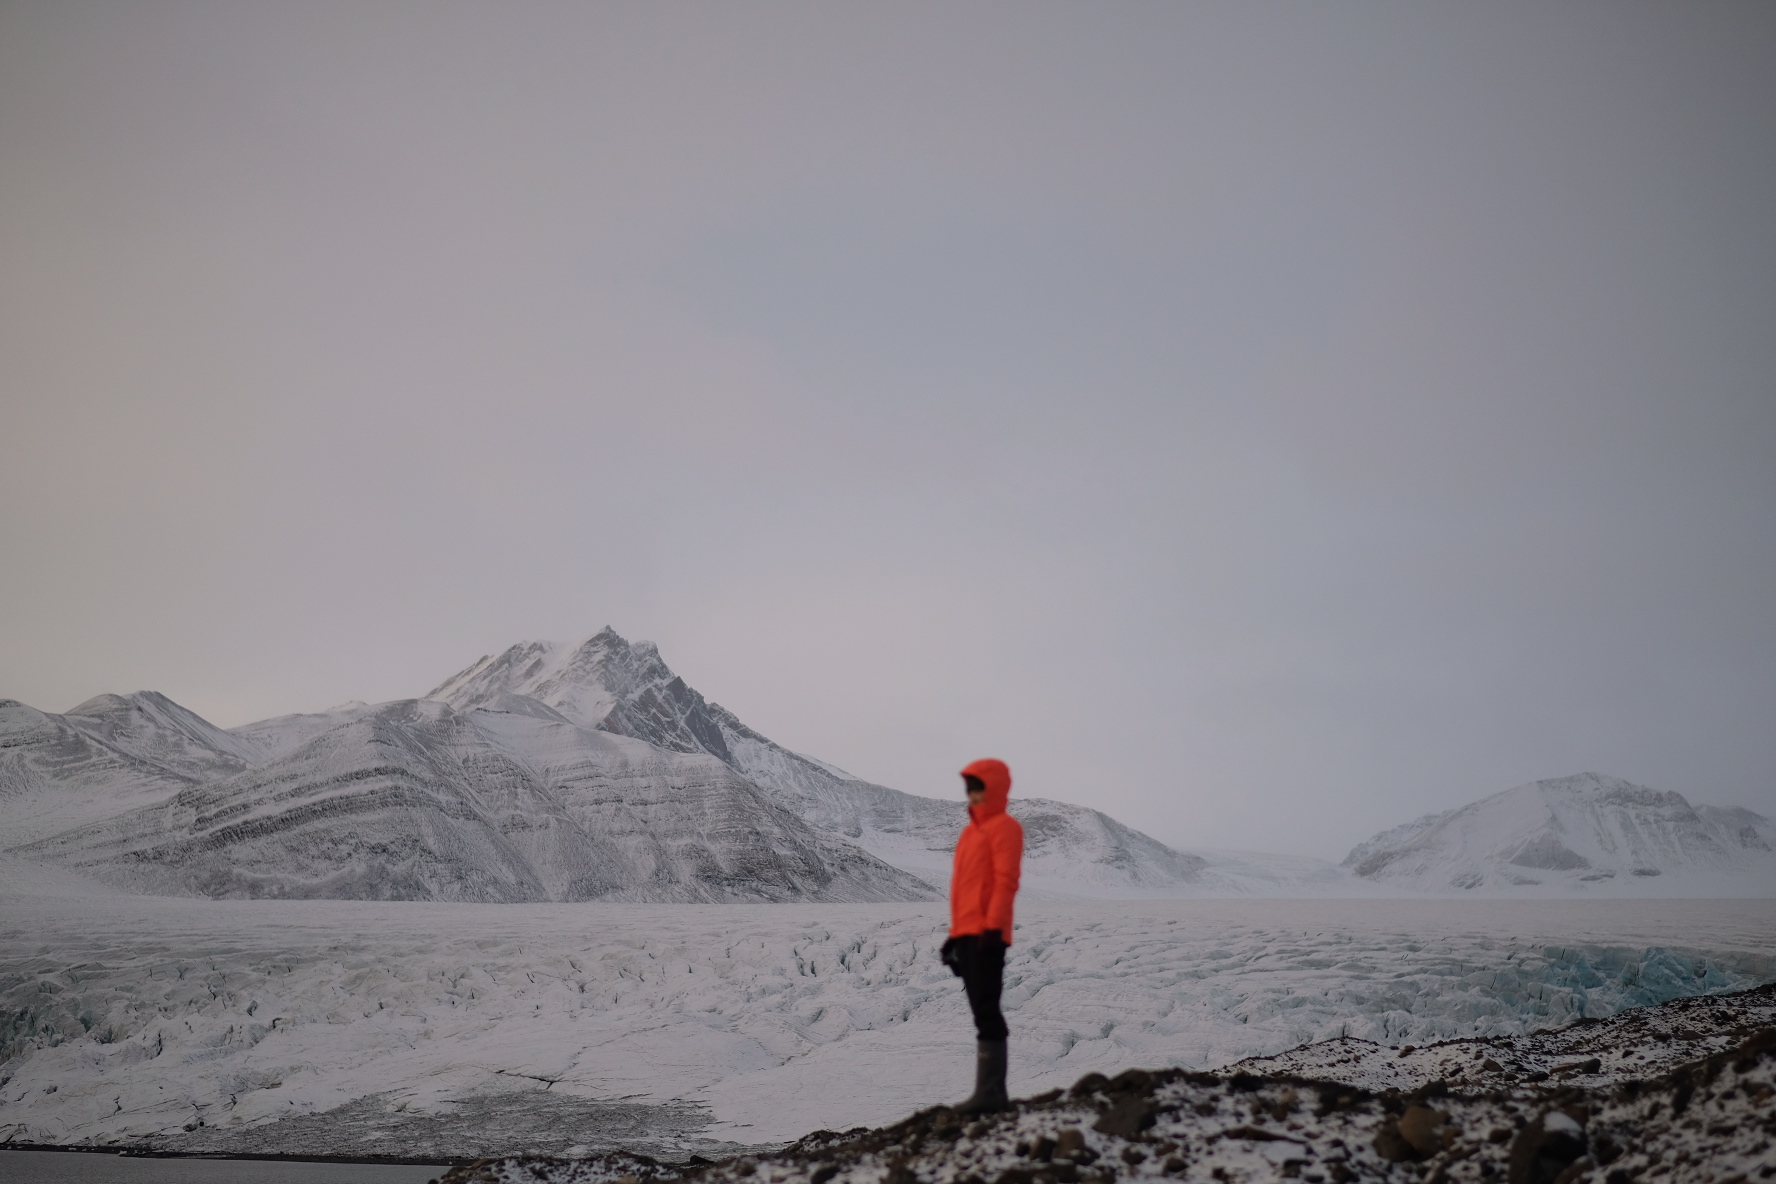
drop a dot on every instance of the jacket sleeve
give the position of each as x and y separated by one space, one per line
1007 842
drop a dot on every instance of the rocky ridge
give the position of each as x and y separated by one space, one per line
1560 1107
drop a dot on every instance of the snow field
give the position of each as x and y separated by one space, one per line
147 1016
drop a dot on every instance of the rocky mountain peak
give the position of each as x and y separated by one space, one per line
605 682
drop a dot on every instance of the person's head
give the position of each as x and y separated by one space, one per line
988 783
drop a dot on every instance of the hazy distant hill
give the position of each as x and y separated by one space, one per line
1588 834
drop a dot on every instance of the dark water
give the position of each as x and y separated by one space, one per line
513 1123
91 1167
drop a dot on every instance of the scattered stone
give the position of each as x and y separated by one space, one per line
1132 1114
1704 1120
1391 1145
1545 1148
1427 1130
1070 1144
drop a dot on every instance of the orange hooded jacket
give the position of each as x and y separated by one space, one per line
989 858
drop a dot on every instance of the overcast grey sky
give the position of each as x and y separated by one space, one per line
1266 423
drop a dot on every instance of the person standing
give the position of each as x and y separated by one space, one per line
983 883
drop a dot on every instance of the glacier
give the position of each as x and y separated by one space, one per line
360 1026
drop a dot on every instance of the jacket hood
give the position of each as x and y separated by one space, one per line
997 778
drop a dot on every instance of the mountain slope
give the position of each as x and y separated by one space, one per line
55 775
626 688
414 800
1588 833
282 734
152 727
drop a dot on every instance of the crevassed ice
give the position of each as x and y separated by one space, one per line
147 1014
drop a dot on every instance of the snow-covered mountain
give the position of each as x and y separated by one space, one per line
153 728
59 771
1587 834
617 686
548 772
407 800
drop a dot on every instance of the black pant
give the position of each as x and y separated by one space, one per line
983 976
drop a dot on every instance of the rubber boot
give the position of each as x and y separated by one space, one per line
989 1079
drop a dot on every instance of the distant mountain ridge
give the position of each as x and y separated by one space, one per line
413 800
547 772
594 772
1578 834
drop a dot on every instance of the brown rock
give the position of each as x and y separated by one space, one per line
1544 1149
1390 1146
1089 1084
1423 1128
1070 1144
1131 1115
1132 1081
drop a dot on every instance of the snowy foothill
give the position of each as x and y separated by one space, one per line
1587 834
412 1028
